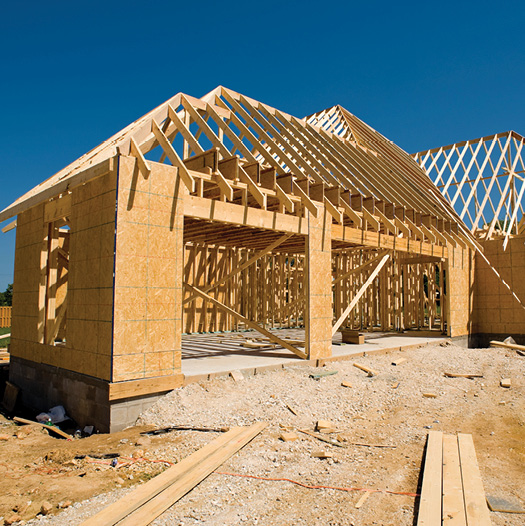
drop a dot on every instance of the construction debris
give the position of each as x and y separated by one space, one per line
399 361
322 374
330 441
430 395
291 409
458 375
506 505
388 446
506 382
169 429
354 337
515 346
47 427
346 384
370 372
324 426
288 437
237 376
362 500
322 454
250 344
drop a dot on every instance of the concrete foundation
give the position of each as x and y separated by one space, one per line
85 398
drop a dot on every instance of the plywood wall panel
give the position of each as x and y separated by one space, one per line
148 273
496 311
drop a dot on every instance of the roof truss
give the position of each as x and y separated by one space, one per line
231 148
484 179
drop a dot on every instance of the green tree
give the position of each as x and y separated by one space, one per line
6 298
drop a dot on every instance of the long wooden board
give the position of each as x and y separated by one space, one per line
453 503
147 502
515 346
474 494
430 501
51 429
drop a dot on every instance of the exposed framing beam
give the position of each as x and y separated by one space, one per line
272 337
241 267
360 293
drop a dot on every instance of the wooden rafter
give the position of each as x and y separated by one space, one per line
282 163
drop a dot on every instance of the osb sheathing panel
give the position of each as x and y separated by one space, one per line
319 286
495 309
90 287
460 277
89 284
29 240
148 273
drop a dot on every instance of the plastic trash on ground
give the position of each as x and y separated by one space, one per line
55 415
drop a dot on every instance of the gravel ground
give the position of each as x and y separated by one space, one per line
371 411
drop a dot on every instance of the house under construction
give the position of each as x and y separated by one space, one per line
222 213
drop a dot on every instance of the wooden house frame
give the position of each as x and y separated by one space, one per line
215 214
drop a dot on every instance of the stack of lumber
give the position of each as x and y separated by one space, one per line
452 492
144 504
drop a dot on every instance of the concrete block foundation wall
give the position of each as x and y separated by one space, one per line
85 398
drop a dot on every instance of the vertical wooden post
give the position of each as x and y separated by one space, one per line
52 274
42 287
318 286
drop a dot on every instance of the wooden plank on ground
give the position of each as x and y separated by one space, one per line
148 501
453 503
458 375
51 429
515 346
430 501
185 483
475 503
362 499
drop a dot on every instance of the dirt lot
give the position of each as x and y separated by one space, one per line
371 411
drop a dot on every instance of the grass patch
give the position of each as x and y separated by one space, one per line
5 342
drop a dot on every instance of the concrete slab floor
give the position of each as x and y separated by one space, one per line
205 356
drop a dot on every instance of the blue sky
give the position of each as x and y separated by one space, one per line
424 74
